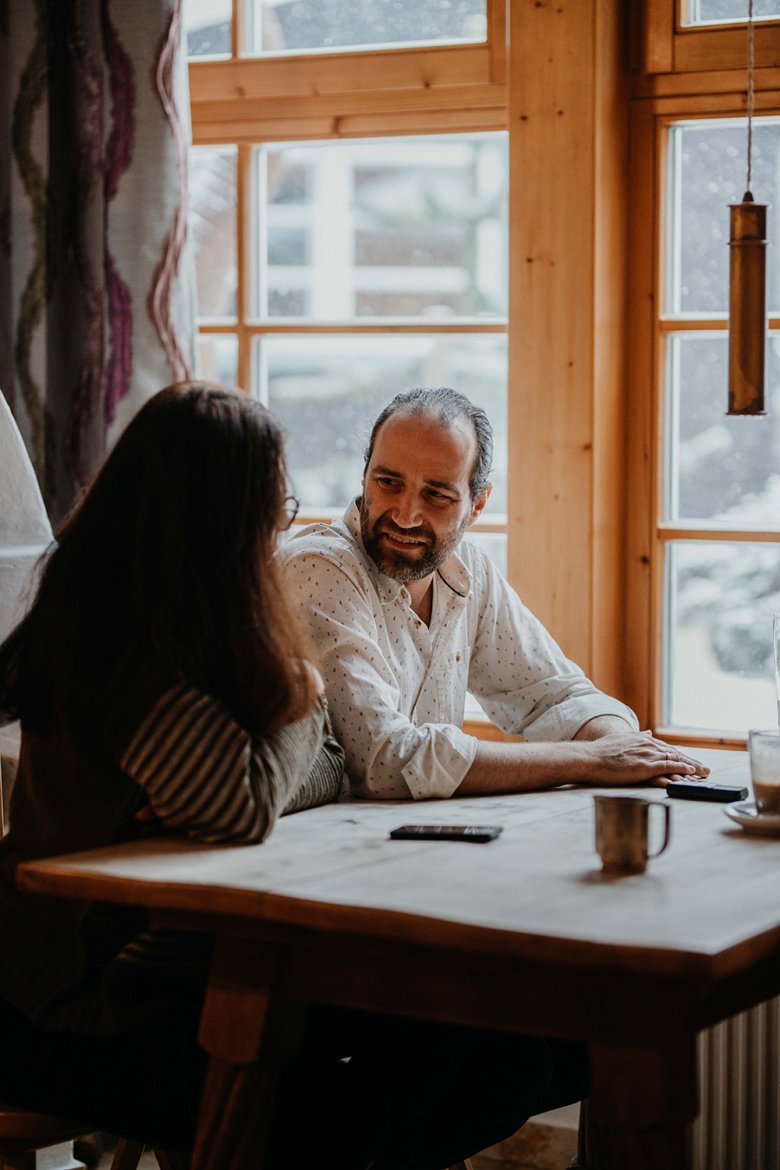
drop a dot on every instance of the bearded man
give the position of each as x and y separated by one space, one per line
407 616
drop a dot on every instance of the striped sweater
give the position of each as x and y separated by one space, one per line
100 969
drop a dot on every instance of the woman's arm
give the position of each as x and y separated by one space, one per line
204 775
324 782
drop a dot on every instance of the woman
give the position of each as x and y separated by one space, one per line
161 683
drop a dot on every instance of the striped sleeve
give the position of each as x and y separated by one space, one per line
324 782
204 775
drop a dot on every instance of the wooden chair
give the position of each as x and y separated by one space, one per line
23 1132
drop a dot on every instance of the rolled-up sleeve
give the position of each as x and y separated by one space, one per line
387 755
442 758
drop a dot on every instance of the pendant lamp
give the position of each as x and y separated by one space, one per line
747 280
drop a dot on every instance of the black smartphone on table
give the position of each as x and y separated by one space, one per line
705 790
477 833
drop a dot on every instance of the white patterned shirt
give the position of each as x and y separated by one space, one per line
397 688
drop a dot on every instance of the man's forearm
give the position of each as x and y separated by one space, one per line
513 767
522 767
597 756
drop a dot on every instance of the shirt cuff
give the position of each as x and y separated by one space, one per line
564 720
441 761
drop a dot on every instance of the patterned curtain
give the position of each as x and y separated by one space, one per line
96 291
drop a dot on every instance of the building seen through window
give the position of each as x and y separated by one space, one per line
407 236
274 26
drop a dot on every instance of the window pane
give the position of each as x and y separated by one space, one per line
217 358
324 25
394 228
493 544
719 638
329 390
207 25
708 164
212 190
719 467
718 11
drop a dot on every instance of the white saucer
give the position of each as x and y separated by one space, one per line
745 813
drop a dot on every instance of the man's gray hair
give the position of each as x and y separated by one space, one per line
447 406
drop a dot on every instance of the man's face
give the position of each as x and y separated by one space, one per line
416 501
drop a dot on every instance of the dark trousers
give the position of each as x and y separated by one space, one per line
405 1094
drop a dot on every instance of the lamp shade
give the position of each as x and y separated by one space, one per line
747 306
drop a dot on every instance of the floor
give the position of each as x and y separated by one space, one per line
548 1142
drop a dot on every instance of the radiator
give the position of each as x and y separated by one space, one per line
738 1127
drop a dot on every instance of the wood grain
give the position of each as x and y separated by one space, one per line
566 329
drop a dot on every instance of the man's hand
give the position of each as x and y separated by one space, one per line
641 751
633 757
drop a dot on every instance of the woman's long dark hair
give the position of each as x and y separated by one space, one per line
164 570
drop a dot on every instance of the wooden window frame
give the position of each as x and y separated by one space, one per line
354 93
562 90
666 45
658 102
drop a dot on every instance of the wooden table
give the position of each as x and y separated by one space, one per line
523 933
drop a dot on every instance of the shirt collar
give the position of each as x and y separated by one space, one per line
453 572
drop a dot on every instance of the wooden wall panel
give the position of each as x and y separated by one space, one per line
567 149
642 631
609 355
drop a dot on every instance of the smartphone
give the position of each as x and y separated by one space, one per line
705 790
478 833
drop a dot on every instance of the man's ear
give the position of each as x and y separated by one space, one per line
479 502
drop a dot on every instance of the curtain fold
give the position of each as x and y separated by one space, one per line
96 281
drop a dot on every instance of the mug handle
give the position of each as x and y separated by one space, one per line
667 828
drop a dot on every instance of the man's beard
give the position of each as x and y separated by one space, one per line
397 564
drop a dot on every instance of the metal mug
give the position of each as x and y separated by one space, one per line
622 829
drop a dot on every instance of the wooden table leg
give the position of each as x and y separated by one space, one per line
589 1153
250 1031
644 1100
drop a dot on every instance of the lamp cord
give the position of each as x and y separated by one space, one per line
751 98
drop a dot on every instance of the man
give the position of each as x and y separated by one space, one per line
406 617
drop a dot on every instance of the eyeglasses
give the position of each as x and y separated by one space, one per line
290 511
